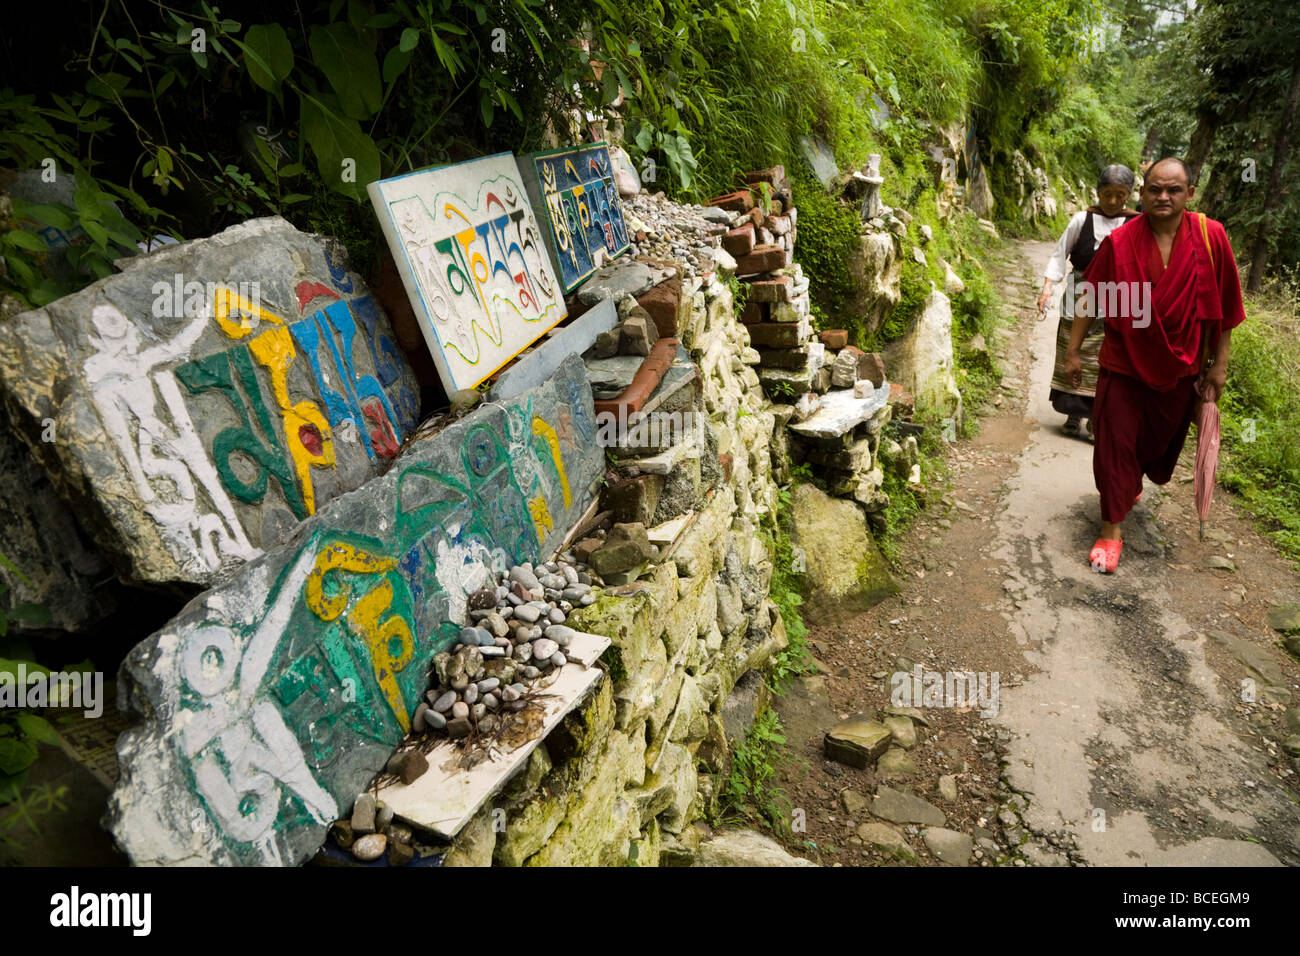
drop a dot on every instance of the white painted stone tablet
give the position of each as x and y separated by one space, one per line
473 261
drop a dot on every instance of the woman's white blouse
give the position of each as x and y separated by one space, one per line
1101 228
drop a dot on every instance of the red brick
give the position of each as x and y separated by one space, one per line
754 312
583 549
770 290
902 399
644 382
773 174
835 338
871 366
633 499
757 217
666 306
739 201
739 241
762 259
725 463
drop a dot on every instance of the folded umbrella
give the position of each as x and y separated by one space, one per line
1207 458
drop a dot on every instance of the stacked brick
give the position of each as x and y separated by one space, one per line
777 308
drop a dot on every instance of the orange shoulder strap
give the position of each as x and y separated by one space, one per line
1205 235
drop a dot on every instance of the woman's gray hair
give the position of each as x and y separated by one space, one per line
1116 175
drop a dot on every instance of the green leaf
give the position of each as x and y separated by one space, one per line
381 21
394 63
49 289
23 239
410 37
334 138
24 273
31 614
16 755
38 728
610 83
268 55
680 159
4 560
485 109
645 137
350 67
96 232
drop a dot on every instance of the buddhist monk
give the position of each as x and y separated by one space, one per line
1166 284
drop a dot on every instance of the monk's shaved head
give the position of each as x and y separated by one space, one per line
1187 173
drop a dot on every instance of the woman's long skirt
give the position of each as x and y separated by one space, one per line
1067 399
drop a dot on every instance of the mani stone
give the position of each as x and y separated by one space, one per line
209 397
363 815
370 848
637 335
270 701
845 370
857 742
408 765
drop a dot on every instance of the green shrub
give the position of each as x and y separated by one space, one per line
829 233
750 790
1260 410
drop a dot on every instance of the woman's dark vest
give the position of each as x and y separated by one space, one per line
1084 248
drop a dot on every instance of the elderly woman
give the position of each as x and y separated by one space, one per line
1078 243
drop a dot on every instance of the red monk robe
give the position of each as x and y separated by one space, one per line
1146 389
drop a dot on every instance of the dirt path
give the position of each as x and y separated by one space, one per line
1137 714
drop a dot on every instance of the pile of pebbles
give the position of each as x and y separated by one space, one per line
665 230
514 644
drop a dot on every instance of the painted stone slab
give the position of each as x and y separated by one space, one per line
574 194
473 261
269 702
195 407
445 797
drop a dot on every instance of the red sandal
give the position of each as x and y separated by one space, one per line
1104 556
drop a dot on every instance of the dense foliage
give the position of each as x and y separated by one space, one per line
154 111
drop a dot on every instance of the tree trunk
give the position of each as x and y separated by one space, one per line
1273 192
1149 147
1207 124
1210 201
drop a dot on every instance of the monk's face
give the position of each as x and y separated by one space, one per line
1165 192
